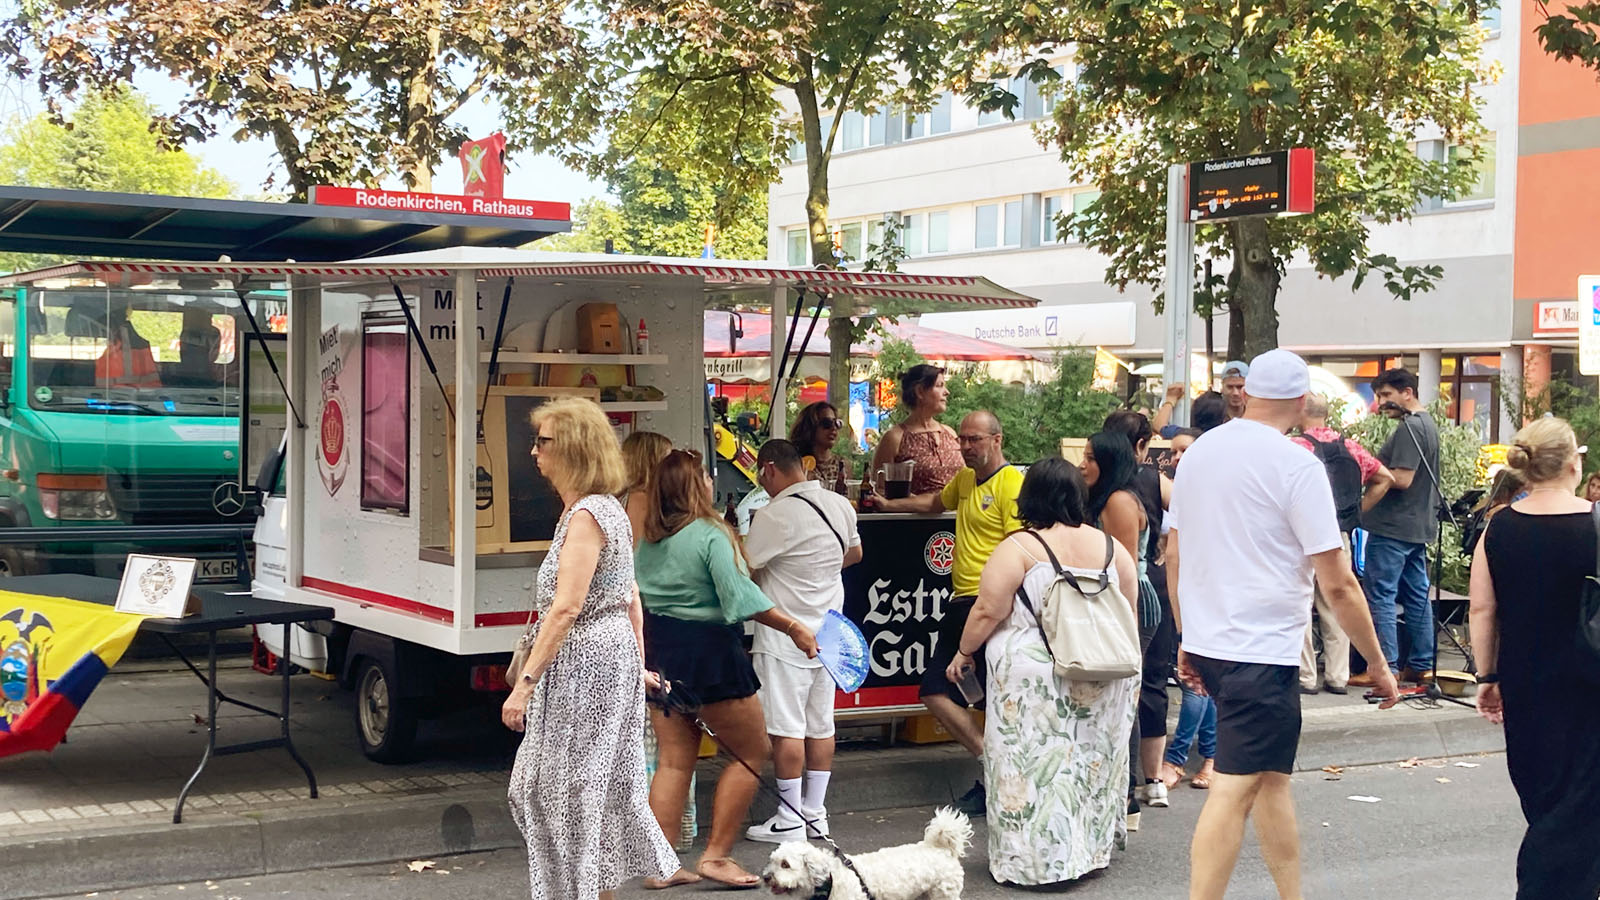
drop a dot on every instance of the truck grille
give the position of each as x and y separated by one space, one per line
167 499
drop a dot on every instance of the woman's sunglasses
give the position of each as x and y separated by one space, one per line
830 423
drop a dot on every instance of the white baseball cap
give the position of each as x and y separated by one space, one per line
1278 375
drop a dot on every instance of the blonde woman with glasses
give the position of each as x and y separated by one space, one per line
578 791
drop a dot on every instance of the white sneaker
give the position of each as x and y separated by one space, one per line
1155 794
776 830
816 823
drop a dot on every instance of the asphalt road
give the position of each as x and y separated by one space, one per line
1422 840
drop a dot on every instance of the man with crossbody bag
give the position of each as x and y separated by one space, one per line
797 546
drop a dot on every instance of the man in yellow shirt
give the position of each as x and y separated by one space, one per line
984 497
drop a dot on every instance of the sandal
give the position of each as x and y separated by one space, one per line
738 881
1202 779
678 878
1171 775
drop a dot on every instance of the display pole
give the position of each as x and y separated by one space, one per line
1179 289
778 427
466 436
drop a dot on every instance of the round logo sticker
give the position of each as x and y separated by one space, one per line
332 431
43 394
940 553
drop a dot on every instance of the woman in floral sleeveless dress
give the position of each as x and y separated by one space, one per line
578 790
1055 751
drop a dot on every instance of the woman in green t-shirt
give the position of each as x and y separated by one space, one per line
697 594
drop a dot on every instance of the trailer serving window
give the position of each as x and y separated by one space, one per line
385 415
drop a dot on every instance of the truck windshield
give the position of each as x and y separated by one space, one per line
133 352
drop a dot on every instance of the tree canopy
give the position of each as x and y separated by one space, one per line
663 213
347 92
1572 34
1161 82
106 145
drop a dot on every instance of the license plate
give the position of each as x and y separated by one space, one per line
218 570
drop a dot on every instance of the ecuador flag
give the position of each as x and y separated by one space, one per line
52 655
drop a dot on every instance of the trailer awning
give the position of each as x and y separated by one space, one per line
79 224
725 284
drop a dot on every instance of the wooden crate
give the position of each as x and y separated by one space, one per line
929 730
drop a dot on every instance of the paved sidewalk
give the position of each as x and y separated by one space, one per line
95 813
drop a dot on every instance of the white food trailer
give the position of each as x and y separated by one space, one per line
429 564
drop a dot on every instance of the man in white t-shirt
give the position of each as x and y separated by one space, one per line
797 545
1254 517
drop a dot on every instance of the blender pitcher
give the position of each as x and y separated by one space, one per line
896 477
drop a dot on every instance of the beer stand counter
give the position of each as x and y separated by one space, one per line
898 595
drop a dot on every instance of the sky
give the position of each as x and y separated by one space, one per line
247 163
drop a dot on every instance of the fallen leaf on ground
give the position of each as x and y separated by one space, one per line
1410 763
1362 798
1466 765
1326 825
420 865
1333 770
199 719
1442 780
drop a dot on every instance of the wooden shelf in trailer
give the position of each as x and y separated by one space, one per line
578 359
633 406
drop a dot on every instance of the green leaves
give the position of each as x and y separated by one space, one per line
1573 35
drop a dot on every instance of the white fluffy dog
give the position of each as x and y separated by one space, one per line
930 870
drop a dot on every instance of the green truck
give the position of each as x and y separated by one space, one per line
119 406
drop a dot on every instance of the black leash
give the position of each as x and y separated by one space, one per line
671 701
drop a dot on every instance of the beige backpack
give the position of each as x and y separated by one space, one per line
1088 625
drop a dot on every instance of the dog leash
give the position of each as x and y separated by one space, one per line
670 702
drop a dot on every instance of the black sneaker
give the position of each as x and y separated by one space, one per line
975 803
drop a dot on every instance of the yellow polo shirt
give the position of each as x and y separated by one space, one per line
985 514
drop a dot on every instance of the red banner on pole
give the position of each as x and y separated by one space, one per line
483 171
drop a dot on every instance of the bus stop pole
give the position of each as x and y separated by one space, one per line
1179 300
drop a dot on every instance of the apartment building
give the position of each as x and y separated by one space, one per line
974 193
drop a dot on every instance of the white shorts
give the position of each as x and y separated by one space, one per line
797 701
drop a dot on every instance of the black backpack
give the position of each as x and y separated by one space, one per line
1344 476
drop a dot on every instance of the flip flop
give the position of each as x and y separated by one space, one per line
752 884
678 878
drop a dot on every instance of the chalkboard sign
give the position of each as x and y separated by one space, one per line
516 507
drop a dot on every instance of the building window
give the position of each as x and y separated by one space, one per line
915 125
1484 156
1013 234
939 116
852 134
385 415
986 226
1049 232
939 232
850 241
1080 202
1489 17
1047 103
874 234
798 245
878 128
911 234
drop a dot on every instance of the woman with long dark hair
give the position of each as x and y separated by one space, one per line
1109 468
697 593
1528 575
815 432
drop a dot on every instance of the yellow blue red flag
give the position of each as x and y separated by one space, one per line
53 653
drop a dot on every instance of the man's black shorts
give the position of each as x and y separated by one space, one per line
1258 714
934 680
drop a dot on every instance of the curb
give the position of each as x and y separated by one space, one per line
213 843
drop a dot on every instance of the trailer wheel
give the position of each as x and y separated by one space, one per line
386 724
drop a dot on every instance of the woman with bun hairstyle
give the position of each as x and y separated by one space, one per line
921 438
1528 573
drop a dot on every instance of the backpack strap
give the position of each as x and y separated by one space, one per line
1054 563
1111 557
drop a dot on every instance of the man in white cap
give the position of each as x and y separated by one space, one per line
1253 519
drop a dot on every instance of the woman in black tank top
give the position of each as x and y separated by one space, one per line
1528 573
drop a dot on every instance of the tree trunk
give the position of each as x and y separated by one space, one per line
1257 291
818 150
1235 318
422 129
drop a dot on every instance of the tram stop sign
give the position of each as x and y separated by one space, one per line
1261 184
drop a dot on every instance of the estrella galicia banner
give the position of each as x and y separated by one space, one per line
898 595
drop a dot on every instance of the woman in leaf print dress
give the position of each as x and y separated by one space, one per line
1055 751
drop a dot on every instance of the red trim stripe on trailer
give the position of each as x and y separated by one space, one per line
496 620
869 698
373 598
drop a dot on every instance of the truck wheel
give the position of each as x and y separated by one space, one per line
16 560
386 724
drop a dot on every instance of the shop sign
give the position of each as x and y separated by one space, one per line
447 204
1555 317
738 368
1589 324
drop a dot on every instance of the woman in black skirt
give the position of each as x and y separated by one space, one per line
1528 573
697 593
